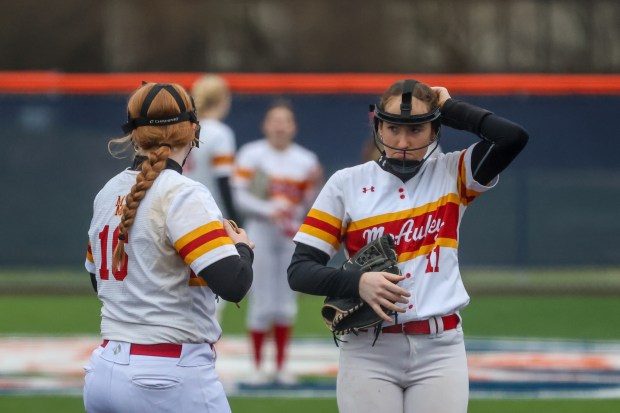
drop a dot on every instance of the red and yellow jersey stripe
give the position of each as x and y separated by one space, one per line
416 231
89 253
223 160
202 240
467 195
196 281
244 174
289 189
323 226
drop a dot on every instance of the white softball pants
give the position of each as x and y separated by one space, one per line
117 381
270 300
403 373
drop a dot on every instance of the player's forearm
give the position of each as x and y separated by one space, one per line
308 274
251 205
231 277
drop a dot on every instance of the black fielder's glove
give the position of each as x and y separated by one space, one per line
346 315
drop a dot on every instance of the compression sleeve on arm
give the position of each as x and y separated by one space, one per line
308 274
502 140
231 277
93 281
223 184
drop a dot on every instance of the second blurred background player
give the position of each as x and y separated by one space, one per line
212 163
274 183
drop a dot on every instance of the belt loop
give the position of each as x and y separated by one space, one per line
432 324
440 327
213 349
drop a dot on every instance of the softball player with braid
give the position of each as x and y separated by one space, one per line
418 362
159 251
212 164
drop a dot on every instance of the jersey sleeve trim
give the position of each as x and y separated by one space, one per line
89 254
467 195
223 160
196 281
244 174
89 263
223 165
470 192
323 226
202 240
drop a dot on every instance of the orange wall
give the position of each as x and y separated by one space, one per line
273 83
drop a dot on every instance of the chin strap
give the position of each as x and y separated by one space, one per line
186 156
403 168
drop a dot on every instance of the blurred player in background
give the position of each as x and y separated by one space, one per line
159 251
212 163
416 361
274 182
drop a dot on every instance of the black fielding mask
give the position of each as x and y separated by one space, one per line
407 168
185 115
405 117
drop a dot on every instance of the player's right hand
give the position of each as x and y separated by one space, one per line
237 235
442 94
379 289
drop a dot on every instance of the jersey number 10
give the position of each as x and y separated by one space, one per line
118 273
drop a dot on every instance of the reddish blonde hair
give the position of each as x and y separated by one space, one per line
156 142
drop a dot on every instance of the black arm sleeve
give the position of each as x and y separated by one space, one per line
223 184
308 274
502 140
93 281
231 277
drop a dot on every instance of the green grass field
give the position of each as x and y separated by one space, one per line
50 404
75 310
508 316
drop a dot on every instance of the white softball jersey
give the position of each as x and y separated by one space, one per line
214 158
287 173
361 203
156 296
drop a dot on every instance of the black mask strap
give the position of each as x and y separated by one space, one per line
144 120
405 106
186 156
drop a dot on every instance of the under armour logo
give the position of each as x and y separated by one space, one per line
117 349
371 189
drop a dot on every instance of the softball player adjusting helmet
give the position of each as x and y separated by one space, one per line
405 117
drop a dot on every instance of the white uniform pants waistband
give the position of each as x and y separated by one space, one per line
186 354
